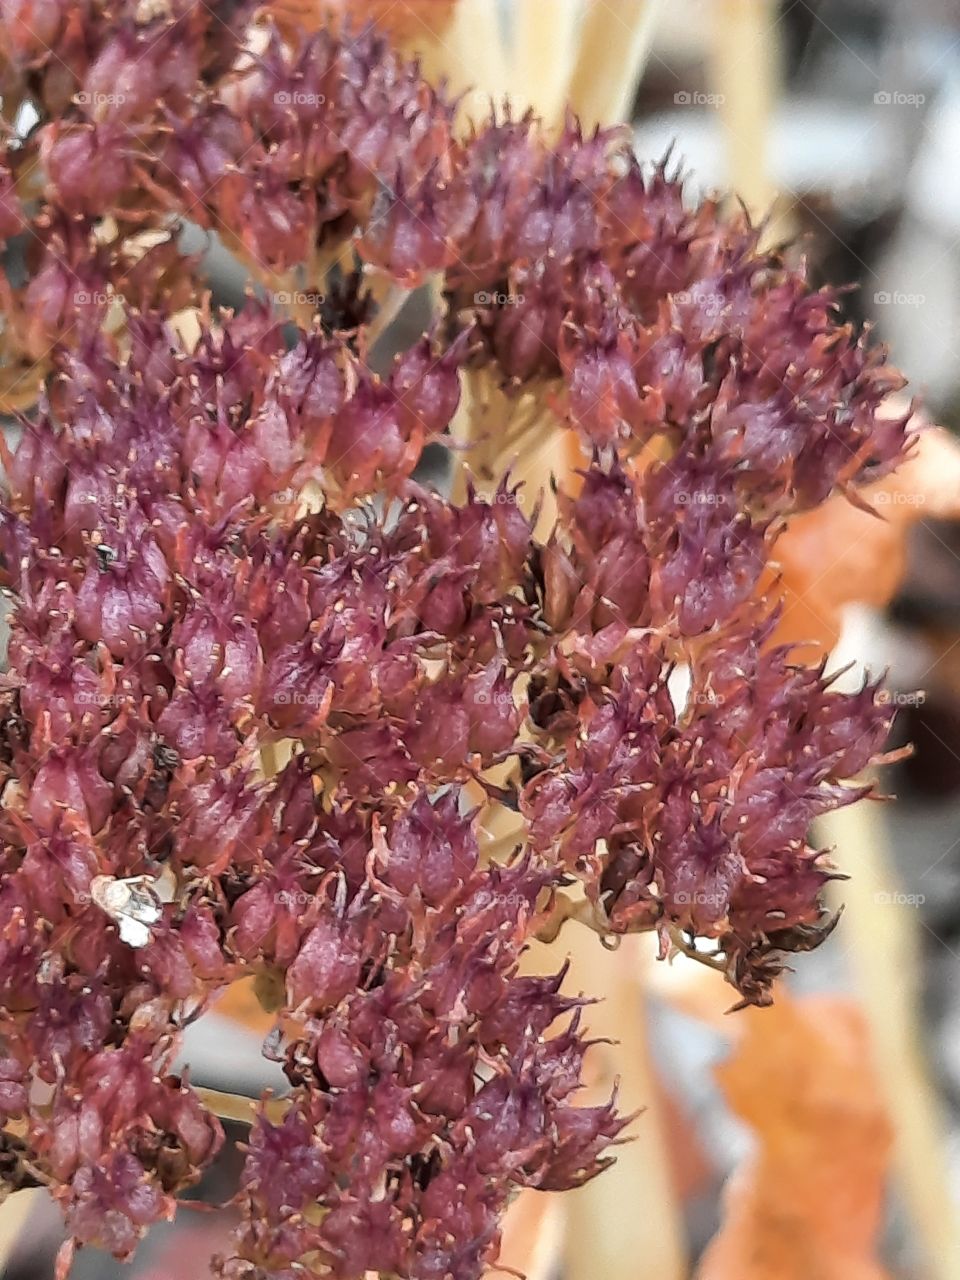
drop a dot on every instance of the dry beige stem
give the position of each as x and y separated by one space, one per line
469 55
499 431
532 1239
239 1109
631 1211
745 75
615 41
543 55
603 1234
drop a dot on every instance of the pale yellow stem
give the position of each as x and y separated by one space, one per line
882 936
615 41
626 1223
629 1212
532 1235
275 756
543 55
239 1109
14 1212
519 432
470 55
745 80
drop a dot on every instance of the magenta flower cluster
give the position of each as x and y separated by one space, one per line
265 689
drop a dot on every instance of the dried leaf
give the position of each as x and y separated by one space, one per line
809 1202
240 1004
409 21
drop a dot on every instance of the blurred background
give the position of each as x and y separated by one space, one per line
840 1113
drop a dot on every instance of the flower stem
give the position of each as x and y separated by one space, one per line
14 1212
604 1230
470 56
745 75
631 1212
236 1107
615 41
542 55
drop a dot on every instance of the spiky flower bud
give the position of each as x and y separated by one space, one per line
220 561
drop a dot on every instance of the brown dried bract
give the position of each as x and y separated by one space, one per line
809 1202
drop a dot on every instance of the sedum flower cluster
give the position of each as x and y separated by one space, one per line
269 695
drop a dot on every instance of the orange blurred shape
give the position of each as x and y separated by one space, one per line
840 554
406 20
808 1204
689 1165
240 1004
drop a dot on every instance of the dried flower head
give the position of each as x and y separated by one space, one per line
256 665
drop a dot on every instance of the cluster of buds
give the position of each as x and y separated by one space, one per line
424 1088
265 688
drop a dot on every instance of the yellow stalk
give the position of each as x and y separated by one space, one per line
630 1212
615 41
14 1212
498 431
543 54
626 1222
745 77
470 56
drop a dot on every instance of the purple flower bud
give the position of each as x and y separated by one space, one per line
88 166
121 598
